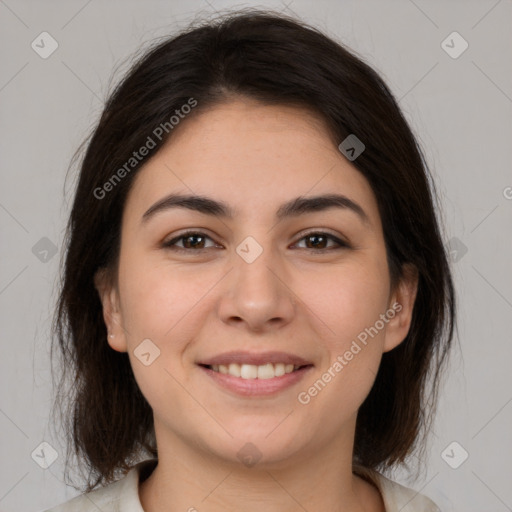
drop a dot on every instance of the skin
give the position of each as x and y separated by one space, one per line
198 304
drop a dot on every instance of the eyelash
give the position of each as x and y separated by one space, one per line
171 243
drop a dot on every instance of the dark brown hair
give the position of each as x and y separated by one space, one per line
277 60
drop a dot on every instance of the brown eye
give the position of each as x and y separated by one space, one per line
317 241
192 240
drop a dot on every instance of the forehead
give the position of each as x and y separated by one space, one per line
253 157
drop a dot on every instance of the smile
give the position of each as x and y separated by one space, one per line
249 380
251 371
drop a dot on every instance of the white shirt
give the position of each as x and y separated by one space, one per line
123 495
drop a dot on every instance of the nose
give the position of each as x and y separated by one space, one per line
257 294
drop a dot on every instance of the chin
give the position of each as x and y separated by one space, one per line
262 449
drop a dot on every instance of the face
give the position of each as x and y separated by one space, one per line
216 296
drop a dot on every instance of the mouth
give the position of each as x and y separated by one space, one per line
253 372
249 374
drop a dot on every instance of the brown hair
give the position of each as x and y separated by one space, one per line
274 59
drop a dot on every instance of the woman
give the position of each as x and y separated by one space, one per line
255 286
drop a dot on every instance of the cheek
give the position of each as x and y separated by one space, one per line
347 298
158 304
157 298
350 302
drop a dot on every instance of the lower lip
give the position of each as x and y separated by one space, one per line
256 387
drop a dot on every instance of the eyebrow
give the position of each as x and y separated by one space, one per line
298 206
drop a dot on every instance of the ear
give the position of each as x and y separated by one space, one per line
109 296
402 303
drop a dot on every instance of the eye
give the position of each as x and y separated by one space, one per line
317 240
191 240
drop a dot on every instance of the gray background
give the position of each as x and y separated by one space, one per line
460 109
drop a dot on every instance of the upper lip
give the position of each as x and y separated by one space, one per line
257 359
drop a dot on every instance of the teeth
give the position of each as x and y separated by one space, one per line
266 372
251 371
234 369
248 371
279 369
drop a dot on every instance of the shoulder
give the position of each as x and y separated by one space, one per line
119 496
396 497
